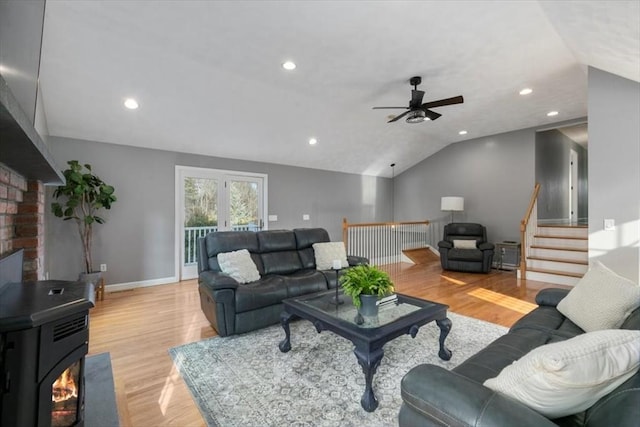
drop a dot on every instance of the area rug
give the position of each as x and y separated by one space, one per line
100 409
245 380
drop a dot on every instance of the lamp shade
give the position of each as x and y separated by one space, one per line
452 204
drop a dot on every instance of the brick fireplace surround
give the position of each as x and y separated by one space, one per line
22 220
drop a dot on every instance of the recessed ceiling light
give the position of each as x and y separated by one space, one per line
462 132
526 91
552 113
313 141
131 103
289 65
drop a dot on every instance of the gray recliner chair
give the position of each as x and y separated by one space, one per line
459 253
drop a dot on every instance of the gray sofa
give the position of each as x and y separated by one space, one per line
434 396
286 262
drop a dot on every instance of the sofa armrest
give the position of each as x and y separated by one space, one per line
357 260
485 246
214 280
551 296
441 397
445 244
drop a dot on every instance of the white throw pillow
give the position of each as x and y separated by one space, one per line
568 377
239 265
326 252
601 299
464 244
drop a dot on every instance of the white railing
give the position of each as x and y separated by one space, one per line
192 234
383 243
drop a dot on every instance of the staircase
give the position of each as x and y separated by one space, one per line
558 254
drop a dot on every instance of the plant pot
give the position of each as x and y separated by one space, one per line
93 277
369 306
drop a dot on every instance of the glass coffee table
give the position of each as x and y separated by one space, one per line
404 315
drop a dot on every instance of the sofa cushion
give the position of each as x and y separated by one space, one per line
601 300
284 262
502 352
305 238
466 254
548 320
304 282
228 241
262 293
239 265
465 244
276 240
567 377
327 252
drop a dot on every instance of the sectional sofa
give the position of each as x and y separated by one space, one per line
434 396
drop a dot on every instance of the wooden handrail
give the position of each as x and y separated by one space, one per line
532 201
523 230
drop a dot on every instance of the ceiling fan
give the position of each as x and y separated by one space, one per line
419 112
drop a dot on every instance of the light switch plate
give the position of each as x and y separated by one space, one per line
273 218
305 217
609 224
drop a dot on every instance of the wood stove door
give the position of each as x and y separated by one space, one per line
61 394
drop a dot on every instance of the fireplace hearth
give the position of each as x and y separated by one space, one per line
44 338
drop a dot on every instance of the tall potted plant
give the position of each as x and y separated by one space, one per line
365 284
81 198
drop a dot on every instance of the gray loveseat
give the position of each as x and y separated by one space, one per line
286 262
434 396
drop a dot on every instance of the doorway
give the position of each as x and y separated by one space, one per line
214 200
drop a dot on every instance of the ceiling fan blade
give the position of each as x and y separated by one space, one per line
399 117
386 108
416 98
431 115
443 102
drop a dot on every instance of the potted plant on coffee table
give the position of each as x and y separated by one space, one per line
365 284
81 198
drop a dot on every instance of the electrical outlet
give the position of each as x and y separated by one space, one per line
305 217
609 224
103 267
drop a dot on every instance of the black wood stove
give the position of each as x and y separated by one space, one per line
44 337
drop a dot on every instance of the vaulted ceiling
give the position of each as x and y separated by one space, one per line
208 78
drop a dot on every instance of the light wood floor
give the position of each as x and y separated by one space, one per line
138 327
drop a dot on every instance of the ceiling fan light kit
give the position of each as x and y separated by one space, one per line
417 112
417 116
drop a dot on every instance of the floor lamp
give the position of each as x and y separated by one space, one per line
452 204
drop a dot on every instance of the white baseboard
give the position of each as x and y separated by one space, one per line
141 284
434 250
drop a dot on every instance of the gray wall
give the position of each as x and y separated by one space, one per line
614 175
552 167
20 40
495 175
137 242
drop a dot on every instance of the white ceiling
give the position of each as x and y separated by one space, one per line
208 79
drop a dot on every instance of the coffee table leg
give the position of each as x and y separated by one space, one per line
285 344
369 362
445 327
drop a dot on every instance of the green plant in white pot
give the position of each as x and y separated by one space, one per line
81 198
366 280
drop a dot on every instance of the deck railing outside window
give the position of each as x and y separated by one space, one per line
384 242
192 234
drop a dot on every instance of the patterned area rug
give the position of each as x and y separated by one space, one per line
245 380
